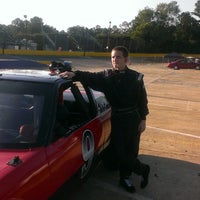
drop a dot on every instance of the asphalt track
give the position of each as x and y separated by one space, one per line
8 63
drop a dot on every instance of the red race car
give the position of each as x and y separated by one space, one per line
50 130
186 63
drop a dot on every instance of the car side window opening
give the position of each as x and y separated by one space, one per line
72 110
102 103
20 117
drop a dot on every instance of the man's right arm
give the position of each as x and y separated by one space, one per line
91 79
67 74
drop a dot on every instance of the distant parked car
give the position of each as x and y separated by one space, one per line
186 63
171 57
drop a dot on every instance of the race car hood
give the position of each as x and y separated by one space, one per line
15 160
19 168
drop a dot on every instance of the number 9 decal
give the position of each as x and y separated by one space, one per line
87 152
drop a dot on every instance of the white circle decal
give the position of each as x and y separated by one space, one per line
87 145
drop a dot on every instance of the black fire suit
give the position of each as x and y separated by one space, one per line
127 96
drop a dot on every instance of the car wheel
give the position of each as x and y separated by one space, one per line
197 67
176 67
87 153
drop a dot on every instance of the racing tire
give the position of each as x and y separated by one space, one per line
176 67
197 67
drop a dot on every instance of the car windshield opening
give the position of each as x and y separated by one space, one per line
20 116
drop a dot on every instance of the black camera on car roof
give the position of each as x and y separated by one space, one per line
58 67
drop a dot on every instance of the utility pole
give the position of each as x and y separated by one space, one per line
108 40
48 38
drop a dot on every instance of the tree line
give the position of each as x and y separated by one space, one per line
160 30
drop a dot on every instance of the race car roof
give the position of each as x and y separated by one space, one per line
29 75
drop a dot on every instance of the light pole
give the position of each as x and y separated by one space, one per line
108 40
25 16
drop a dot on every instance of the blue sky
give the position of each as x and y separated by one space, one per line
63 14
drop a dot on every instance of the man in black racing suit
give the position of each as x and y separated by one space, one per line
125 91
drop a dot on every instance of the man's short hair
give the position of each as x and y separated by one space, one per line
123 49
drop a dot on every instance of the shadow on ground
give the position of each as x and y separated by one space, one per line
170 179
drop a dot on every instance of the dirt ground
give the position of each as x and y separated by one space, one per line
170 144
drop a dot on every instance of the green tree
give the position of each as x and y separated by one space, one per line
187 34
167 14
152 30
140 27
197 9
163 29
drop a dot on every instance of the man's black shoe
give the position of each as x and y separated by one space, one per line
145 176
127 185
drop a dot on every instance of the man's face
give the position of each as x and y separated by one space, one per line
118 60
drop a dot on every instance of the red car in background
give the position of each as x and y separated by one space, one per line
50 130
186 63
